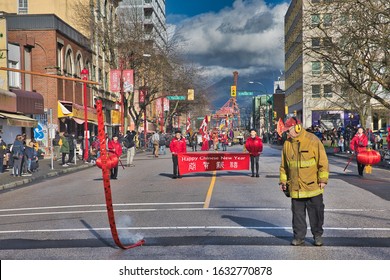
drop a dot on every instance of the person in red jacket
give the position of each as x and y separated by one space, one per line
177 145
254 145
358 144
388 138
116 148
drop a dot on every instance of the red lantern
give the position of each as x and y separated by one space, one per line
112 161
369 157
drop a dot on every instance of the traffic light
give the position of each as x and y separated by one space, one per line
233 91
190 94
275 114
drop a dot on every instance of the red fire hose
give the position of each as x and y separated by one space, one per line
106 165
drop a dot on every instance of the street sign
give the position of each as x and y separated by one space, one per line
245 93
175 97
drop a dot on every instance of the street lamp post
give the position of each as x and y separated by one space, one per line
84 76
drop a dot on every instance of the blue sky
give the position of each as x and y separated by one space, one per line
223 36
191 8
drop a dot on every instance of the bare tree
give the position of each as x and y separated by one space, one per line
154 56
351 39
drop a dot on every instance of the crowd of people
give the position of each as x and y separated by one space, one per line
21 156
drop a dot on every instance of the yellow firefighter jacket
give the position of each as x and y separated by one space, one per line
304 165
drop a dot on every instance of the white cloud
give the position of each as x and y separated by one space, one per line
247 37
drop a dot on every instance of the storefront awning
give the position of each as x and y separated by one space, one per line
29 102
7 101
19 120
76 112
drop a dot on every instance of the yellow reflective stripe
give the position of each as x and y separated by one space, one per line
323 175
303 163
306 194
283 177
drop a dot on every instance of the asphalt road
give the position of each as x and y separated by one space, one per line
224 216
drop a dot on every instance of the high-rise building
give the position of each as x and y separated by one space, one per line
151 13
311 93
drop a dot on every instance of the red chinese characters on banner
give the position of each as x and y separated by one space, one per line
115 80
203 162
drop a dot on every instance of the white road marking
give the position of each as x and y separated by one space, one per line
162 209
99 205
183 228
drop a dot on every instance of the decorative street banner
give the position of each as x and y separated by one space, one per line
128 80
203 162
115 80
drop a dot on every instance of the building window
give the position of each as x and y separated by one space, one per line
23 7
78 65
315 1
69 63
327 19
327 69
315 91
60 50
315 68
327 42
315 20
315 43
93 73
14 78
328 91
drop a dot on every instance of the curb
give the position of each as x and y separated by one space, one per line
50 174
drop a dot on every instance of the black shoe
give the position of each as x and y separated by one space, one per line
318 241
297 242
257 175
179 176
174 177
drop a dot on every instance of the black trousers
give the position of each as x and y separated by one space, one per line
175 166
315 210
360 168
114 172
255 161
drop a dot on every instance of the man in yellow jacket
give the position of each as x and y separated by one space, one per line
304 173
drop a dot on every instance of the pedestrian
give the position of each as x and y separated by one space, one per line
215 140
155 142
3 151
194 141
341 144
177 145
31 154
64 150
130 145
56 145
162 144
388 138
72 147
359 144
224 141
254 145
304 173
205 142
116 148
17 150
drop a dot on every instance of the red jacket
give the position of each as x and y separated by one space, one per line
359 144
178 145
115 148
254 145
